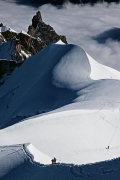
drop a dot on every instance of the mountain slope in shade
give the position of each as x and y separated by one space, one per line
56 76
18 155
81 105
29 169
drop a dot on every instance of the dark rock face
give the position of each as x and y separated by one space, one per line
22 42
39 35
36 19
22 45
45 33
9 35
7 67
2 39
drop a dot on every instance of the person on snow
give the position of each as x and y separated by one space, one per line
108 147
54 160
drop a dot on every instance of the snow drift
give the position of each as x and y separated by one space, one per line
26 168
68 109
68 106
57 76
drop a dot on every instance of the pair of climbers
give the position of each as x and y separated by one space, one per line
54 160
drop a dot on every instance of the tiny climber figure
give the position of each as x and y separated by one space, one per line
23 146
54 160
108 147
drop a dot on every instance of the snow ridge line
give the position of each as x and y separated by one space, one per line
25 152
30 158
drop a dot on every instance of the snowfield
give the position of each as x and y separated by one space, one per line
66 105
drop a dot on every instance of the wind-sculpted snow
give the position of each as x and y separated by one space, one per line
43 83
72 69
76 136
69 108
57 76
27 168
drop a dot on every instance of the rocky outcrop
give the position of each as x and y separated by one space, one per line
7 67
9 35
27 44
45 33
2 39
36 19
19 46
30 44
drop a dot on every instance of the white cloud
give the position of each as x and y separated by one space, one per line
79 24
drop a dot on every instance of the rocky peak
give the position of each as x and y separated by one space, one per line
19 46
27 44
37 18
44 32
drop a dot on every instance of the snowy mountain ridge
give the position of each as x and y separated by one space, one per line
60 103
65 91
20 46
67 73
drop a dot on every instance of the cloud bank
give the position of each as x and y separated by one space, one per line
82 25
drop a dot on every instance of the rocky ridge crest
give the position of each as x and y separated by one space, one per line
20 46
27 44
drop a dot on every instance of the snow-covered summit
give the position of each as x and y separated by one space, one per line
67 108
56 76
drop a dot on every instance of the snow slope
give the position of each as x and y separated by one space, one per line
74 136
99 71
68 109
55 77
38 156
15 155
28 169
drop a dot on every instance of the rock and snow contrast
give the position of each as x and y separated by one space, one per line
60 103
17 47
56 102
